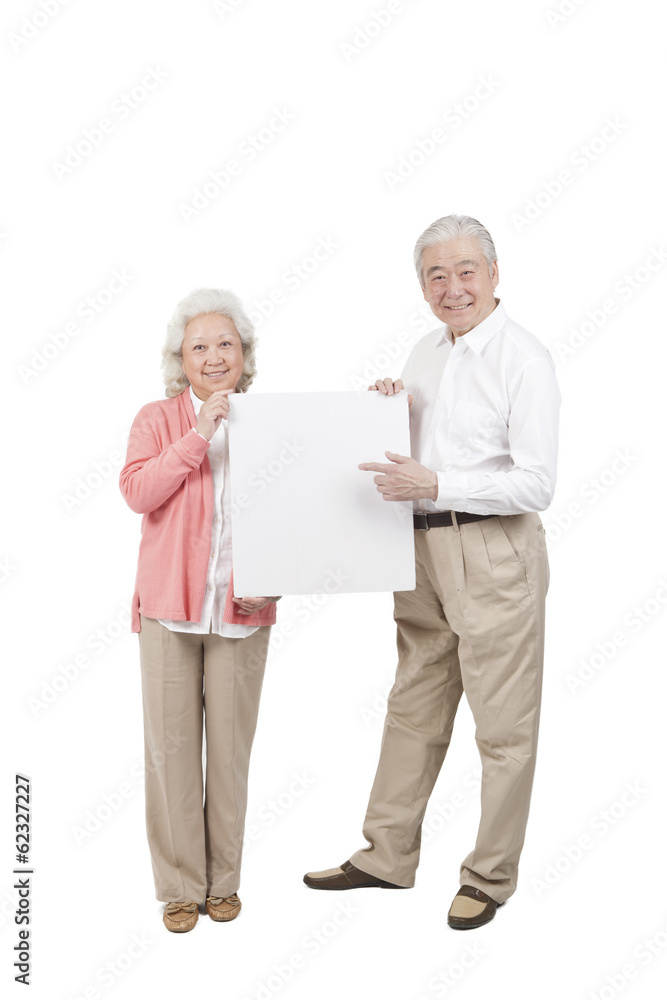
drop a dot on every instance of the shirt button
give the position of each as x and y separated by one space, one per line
210 586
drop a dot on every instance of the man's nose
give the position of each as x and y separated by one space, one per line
455 287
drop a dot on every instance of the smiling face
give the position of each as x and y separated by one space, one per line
457 283
212 354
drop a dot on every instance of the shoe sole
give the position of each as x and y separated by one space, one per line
223 920
469 927
343 888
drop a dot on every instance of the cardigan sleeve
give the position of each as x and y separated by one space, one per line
153 472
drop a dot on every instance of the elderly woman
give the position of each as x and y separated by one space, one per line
202 650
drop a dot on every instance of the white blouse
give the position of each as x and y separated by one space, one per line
220 561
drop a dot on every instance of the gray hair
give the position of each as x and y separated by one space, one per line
198 302
451 227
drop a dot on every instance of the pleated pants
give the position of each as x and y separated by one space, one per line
195 816
474 624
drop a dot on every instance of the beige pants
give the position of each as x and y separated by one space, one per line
195 831
474 623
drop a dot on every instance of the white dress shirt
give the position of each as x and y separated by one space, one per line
220 562
485 417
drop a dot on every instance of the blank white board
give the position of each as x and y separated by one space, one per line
305 519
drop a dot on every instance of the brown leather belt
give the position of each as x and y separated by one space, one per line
423 520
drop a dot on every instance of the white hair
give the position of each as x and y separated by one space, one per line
451 227
197 303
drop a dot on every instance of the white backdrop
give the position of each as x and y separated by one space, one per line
293 152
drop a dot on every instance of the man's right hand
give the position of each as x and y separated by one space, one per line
390 388
212 412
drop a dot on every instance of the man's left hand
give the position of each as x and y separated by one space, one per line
406 479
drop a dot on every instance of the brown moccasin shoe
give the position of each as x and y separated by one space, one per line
180 917
223 907
471 908
346 877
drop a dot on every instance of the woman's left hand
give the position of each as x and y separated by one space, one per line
249 605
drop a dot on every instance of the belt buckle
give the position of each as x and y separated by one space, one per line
425 526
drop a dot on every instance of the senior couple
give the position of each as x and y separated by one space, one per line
484 408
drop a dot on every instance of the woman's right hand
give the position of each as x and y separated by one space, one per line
215 409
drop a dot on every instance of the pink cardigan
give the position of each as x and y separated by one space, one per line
167 478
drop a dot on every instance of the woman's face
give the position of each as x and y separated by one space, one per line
212 354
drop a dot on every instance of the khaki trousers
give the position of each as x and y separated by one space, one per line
195 830
474 623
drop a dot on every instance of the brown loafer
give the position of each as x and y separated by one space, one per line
180 917
346 877
471 908
223 907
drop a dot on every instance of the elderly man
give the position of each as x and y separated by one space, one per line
484 433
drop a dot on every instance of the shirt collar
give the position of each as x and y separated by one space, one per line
480 335
196 401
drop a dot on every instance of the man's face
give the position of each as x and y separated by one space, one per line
457 283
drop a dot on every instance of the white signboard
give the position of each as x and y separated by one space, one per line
305 519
